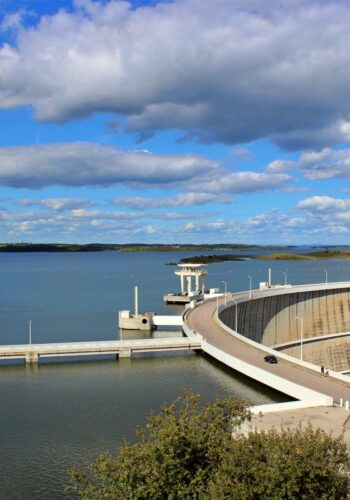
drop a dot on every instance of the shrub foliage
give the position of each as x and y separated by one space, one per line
190 451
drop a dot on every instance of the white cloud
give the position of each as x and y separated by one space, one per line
80 224
325 164
278 166
230 70
179 200
317 219
326 215
244 182
82 213
242 153
11 21
88 164
56 203
315 165
325 205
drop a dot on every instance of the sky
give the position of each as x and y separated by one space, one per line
183 121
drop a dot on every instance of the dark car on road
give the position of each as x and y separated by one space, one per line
270 358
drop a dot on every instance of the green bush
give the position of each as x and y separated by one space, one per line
189 451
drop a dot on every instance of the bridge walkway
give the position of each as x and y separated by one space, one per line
122 348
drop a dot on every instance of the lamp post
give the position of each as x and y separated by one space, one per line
225 283
301 336
285 278
30 332
236 317
325 270
250 286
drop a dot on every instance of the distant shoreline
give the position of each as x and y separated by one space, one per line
273 252
134 247
322 254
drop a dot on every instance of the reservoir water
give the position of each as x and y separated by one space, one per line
60 414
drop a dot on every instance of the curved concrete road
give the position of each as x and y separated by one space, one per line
202 321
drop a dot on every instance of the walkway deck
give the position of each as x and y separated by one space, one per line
122 348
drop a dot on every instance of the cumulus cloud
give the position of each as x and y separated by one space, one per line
179 200
324 204
325 164
51 224
244 182
56 203
322 164
11 21
230 71
326 215
87 164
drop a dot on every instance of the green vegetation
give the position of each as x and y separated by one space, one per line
132 247
209 259
285 256
331 254
200 259
191 451
54 247
322 254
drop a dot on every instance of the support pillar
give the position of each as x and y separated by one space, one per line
189 284
125 353
136 299
182 283
32 357
197 283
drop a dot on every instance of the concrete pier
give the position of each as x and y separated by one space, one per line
31 357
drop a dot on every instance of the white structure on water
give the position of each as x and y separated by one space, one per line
145 321
136 321
192 280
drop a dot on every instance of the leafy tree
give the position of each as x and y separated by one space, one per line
189 451
298 463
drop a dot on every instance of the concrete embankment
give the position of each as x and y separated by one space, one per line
333 420
272 320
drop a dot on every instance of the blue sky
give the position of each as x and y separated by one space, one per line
189 121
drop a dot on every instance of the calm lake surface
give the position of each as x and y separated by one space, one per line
60 414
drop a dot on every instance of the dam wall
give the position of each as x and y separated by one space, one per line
272 319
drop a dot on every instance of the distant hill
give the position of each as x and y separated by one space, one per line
132 247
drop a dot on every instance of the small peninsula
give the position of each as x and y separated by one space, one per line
321 254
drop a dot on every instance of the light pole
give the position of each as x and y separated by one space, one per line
325 270
285 278
250 286
301 336
236 317
225 283
30 332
